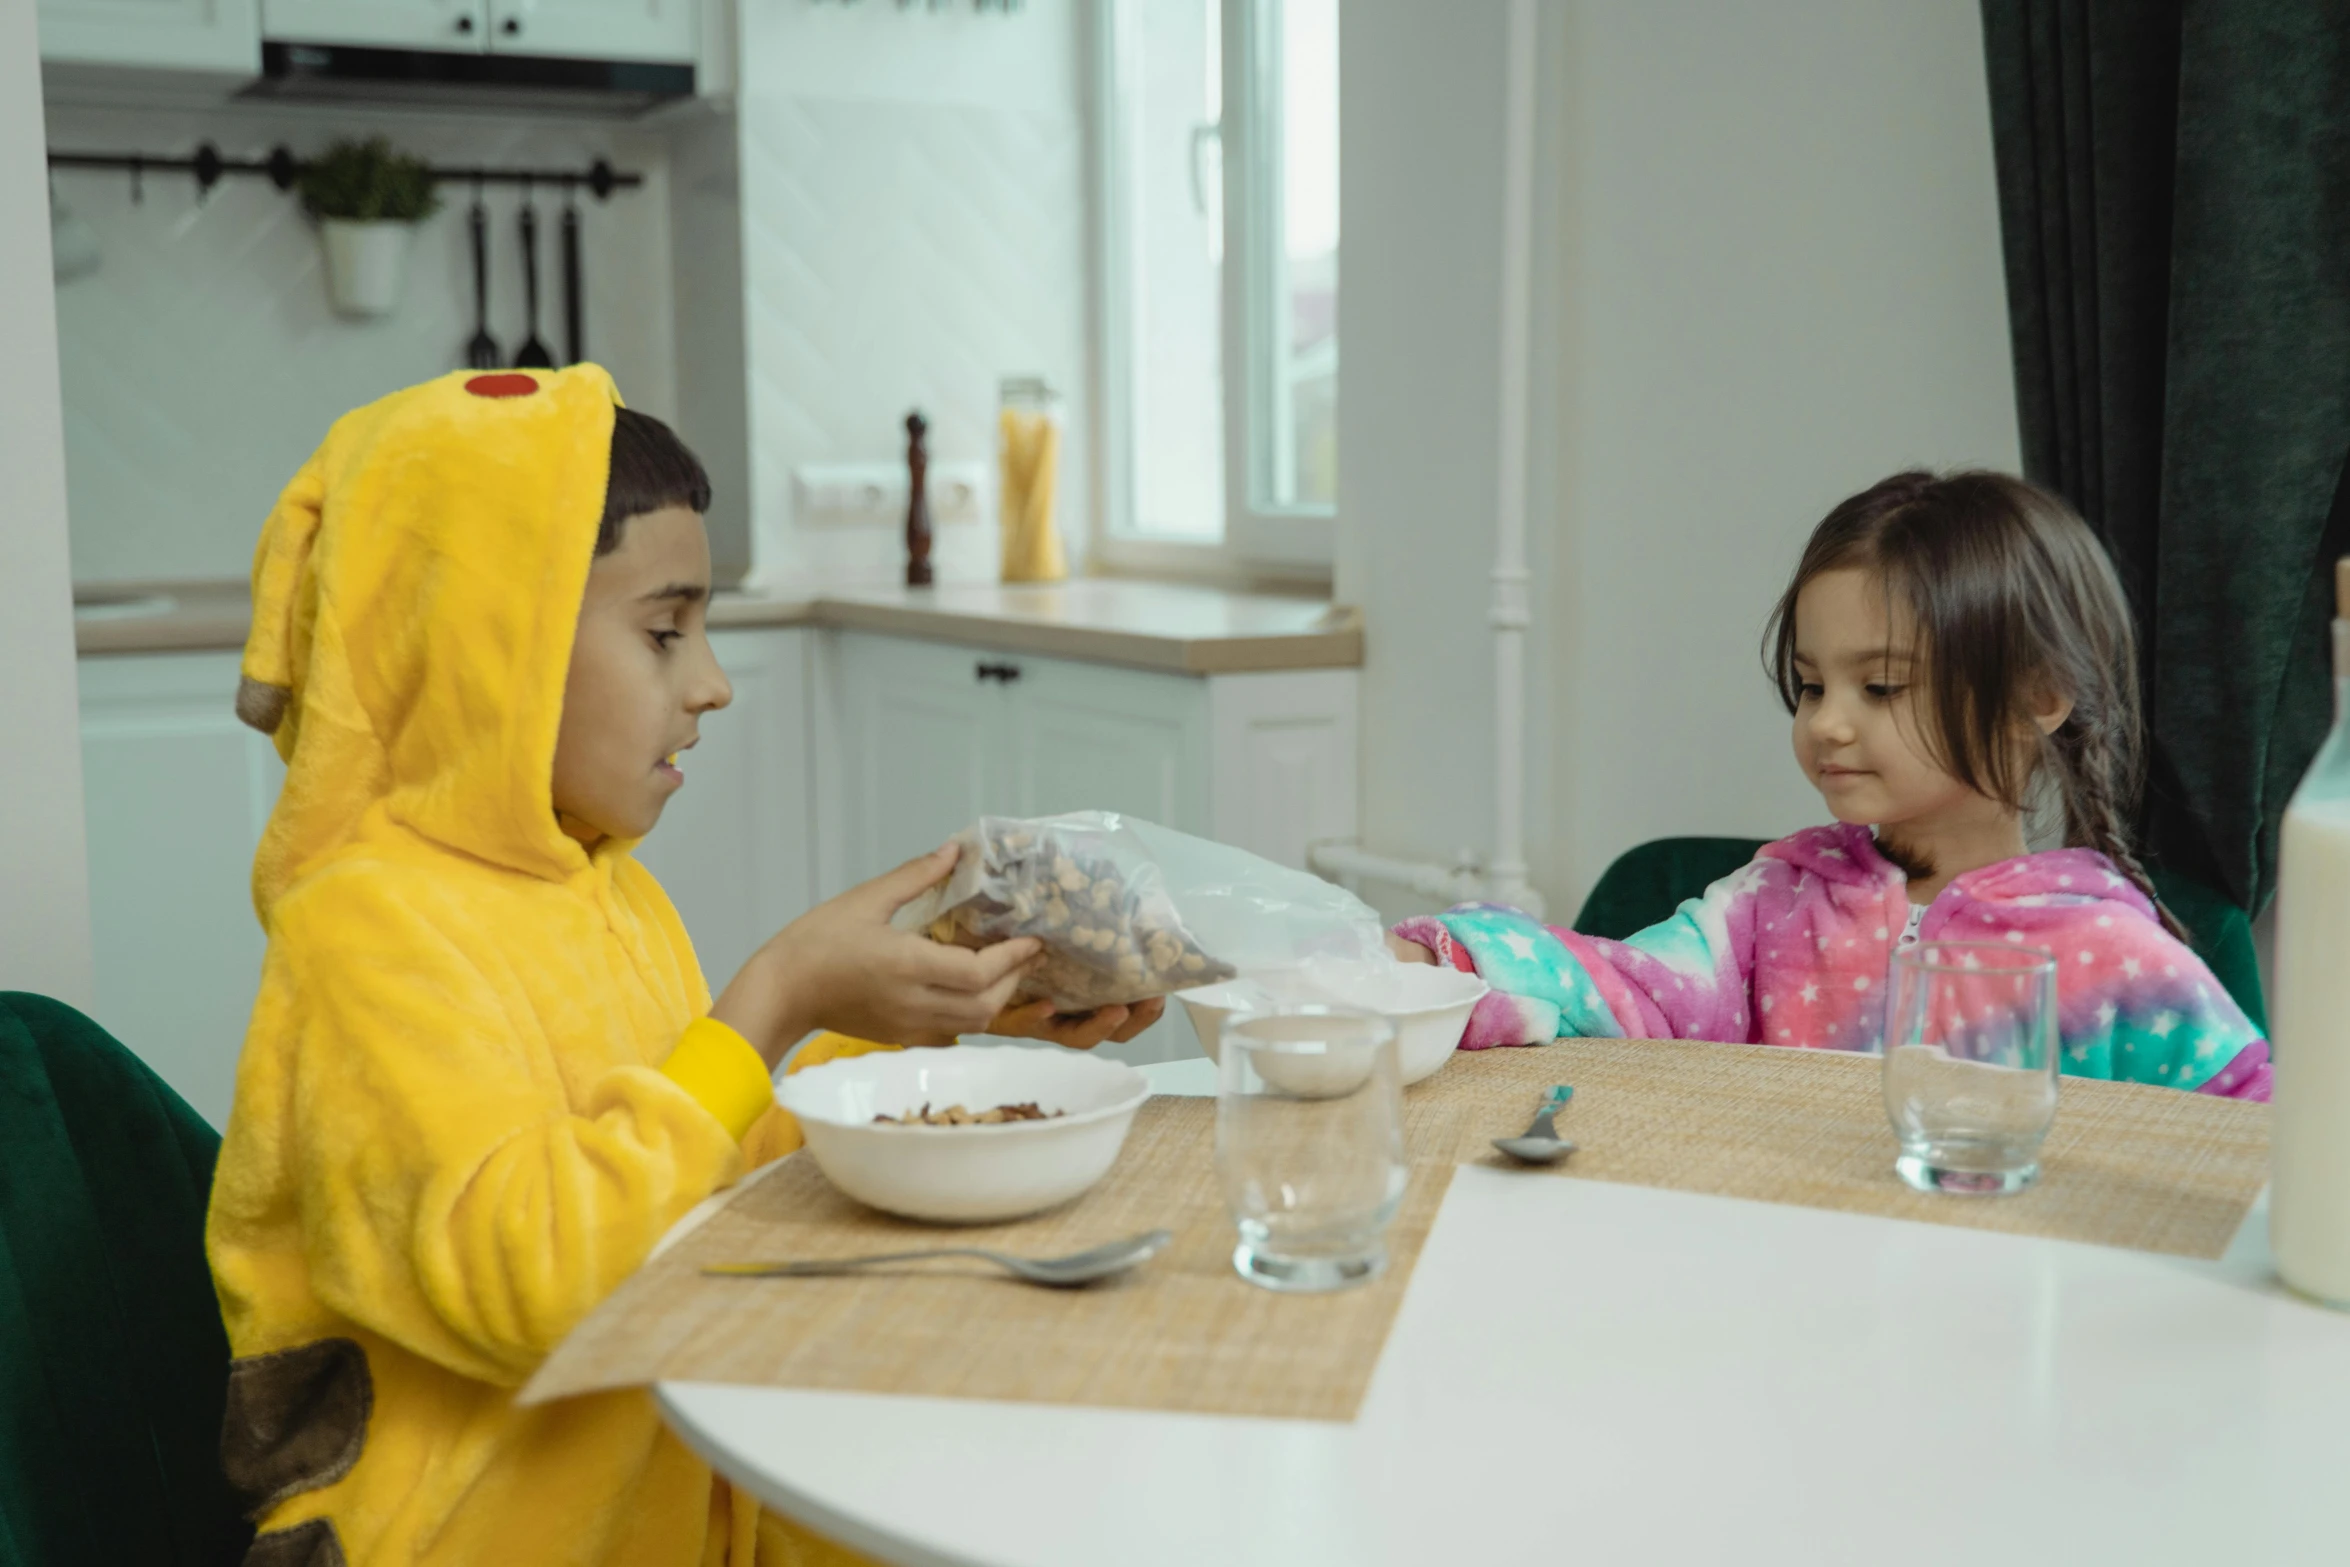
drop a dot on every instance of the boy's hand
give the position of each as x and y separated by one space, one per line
843 966
1078 1030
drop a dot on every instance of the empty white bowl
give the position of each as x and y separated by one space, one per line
1428 1005
965 1174
1312 1052
1209 1006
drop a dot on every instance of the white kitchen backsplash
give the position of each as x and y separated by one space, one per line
911 230
914 230
201 363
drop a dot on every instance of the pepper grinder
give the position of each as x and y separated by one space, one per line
917 502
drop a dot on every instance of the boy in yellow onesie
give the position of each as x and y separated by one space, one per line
484 1073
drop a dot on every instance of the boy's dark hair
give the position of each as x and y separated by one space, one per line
2010 596
651 468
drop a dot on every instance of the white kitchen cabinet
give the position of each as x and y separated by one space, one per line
212 36
1284 764
919 754
177 792
921 737
933 735
733 847
915 739
1094 737
662 30
458 26
658 30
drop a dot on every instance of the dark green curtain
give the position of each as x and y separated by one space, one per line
2174 190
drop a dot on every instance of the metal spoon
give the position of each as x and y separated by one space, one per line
1541 1143
1059 1272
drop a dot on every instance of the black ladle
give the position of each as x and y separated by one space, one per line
482 352
533 354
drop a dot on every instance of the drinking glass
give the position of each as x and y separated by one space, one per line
1971 1055
1309 1144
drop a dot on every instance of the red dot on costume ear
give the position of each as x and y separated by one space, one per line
501 386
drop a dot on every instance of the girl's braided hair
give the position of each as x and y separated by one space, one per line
2011 597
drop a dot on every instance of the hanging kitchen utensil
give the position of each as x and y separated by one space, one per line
73 247
533 354
482 352
574 296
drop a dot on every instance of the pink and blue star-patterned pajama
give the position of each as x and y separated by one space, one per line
1796 948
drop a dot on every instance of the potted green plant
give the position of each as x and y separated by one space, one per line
367 199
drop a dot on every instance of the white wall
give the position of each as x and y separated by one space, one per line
1420 143
913 231
44 881
202 363
1770 273
1784 281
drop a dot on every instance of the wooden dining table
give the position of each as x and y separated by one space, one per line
1595 1370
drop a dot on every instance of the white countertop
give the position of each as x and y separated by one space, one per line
1618 1374
1151 625
1155 625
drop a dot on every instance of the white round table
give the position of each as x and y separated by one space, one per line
1618 1374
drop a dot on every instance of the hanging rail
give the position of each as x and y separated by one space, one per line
282 168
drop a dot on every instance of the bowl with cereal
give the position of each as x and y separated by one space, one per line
971 1134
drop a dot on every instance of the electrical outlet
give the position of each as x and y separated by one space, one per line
835 495
848 494
958 492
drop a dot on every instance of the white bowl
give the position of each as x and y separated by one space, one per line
1307 1053
1428 1005
965 1174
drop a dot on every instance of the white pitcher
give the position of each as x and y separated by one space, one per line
2309 1200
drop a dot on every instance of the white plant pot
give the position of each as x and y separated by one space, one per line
365 264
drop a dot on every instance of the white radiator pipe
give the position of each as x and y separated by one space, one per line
1351 862
1506 877
1504 880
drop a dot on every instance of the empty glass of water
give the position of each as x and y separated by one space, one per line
1309 1144
1971 1055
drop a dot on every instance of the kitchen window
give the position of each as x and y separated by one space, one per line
1217 214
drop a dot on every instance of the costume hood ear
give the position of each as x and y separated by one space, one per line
280 566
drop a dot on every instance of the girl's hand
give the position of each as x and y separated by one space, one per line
1408 951
1078 1030
843 966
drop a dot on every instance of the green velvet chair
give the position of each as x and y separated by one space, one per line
113 1361
1647 883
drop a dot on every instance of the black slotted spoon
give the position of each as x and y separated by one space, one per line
533 354
481 353
574 292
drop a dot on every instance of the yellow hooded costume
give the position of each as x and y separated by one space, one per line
479 1083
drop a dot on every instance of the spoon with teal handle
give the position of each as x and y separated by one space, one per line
1540 1143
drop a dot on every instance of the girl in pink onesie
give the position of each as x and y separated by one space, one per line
1950 647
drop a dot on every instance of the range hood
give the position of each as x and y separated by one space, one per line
341 73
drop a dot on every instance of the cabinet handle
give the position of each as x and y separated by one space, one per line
465 24
512 27
1002 674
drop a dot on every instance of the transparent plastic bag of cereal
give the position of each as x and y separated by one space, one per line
1128 910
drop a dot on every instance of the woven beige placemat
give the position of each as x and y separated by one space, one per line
2149 1168
2152 1169
1181 1333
